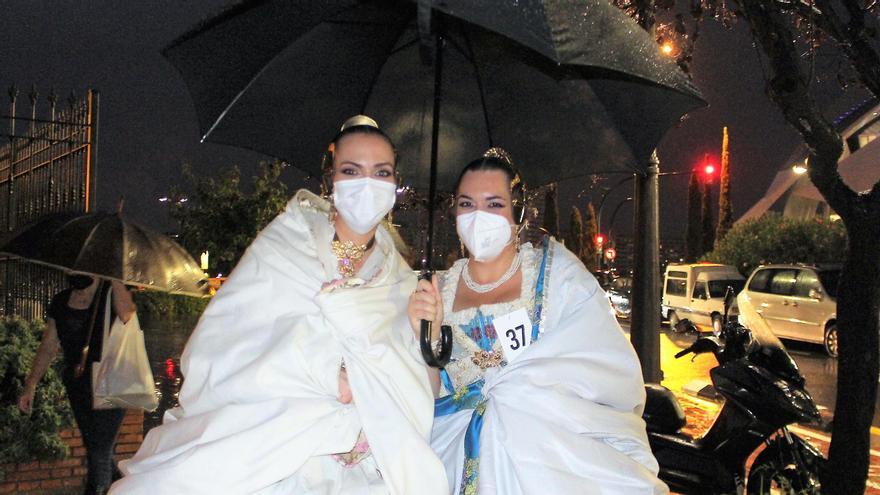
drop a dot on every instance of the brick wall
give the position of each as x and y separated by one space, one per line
67 476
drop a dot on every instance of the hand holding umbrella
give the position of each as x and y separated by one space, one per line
427 308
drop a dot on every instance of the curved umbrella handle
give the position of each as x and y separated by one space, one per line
442 358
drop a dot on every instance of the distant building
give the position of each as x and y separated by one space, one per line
793 195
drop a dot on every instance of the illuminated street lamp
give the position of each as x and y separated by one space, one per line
799 168
667 48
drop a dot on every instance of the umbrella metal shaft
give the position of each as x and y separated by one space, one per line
435 138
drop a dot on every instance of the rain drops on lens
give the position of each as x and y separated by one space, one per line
363 202
484 234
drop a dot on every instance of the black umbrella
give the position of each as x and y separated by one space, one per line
569 88
108 246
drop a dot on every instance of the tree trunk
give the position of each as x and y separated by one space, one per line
693 236
551 211
725 209
591 257
858 306
708 221
576 233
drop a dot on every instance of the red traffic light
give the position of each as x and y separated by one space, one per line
709 169
600 239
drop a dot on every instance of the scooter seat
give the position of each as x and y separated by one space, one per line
663 414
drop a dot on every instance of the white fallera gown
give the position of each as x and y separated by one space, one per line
564 416
258 409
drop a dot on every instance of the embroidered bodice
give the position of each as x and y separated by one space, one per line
472 328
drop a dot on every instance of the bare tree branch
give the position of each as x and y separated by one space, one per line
789 88
854 39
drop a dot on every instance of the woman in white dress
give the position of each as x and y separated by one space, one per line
303 377
544 393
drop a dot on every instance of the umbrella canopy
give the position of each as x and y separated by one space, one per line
108 246
569 88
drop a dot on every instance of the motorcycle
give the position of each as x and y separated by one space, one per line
764 393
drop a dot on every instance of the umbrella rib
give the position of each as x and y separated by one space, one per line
404 46
86 242
250 83
379 71
459 49
473 60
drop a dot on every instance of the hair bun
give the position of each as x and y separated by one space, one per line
500 153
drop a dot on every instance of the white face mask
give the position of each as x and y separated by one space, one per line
484 234
363 202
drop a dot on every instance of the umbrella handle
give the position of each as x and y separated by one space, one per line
445 352
442 357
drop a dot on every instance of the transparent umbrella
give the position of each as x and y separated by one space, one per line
110 247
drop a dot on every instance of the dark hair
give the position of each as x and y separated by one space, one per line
327 159
503 164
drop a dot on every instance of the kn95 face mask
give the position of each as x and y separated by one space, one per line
363 202
484 234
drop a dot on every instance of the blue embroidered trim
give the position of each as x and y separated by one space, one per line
539 292
470 397
447 384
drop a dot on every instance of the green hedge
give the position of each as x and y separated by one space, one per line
35 437
155 306
773 238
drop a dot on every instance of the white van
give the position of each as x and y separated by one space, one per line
696 292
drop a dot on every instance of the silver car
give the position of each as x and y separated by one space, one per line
797 302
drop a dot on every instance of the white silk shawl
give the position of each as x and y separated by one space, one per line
565 416
261 372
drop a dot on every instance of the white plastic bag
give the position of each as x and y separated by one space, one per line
123 379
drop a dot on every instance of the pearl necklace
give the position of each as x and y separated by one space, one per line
484 288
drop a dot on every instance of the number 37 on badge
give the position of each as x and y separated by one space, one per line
515 332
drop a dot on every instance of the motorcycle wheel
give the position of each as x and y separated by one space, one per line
776 473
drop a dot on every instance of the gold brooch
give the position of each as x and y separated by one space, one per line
348 253
487 359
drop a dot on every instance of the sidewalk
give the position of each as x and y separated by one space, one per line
700 413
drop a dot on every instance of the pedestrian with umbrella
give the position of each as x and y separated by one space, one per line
72 327
302 375
101 253
544 393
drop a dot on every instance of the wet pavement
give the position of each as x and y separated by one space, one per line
687 375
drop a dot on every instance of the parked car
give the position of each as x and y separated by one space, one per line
797 302
696 292
620 295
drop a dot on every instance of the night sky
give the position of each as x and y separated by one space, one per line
148 125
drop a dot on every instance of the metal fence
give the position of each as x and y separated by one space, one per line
47 166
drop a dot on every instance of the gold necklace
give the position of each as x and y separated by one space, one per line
348 253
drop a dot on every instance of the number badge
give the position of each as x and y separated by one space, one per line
515 332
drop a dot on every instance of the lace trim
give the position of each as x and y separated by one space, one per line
531 261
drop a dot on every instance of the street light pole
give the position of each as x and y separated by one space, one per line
645 327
